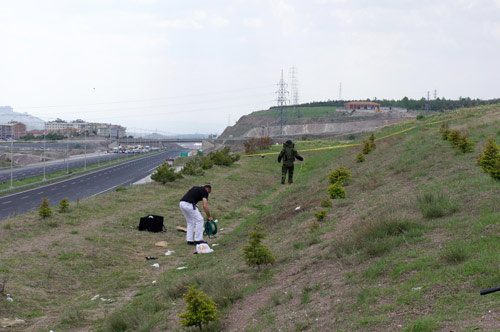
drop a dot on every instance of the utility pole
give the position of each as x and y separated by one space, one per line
435 94
340 91
427 101
44 134
11 162
282 92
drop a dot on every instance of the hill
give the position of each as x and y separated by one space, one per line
408 249
313 120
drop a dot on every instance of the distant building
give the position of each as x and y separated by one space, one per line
12 130
58 124
360 105
109 130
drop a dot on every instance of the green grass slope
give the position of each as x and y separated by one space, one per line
408 249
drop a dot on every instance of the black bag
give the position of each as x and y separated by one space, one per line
152 223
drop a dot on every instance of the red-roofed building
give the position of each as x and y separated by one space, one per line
362 105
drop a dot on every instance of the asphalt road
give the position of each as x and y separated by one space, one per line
79 187
58 165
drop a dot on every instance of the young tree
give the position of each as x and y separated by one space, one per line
201 308
165 173
367 148
64 205
255 253
336 191
340 175
490 159
44 209
360 158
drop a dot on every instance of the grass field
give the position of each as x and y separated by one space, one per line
408 249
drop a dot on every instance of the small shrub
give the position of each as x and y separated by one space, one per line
44 209
255 253
192 168
320 215
367 148
464 145
341 175
314 226
360 158
420 117
454 137
372 138
489 160
259 143
435 205
64 205
336 191
351 137
326 203
223 157
7 225
201 309
206 163
120 188
165 173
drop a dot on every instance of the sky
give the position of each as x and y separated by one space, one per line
195 66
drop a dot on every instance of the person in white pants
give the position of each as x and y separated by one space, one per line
194 219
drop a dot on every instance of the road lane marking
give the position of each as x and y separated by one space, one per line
24 197
7 202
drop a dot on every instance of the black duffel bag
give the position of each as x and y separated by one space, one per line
151 223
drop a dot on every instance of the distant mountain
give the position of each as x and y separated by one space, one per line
7 114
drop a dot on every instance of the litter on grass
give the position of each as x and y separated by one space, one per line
161 244
156 265
215 244
95 298
154 282
181 267
203 248
170 252
297 208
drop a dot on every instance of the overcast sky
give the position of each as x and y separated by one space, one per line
195 66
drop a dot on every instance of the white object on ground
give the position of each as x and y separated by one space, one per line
216 220
170 252
154 282
156 265
215 244
416 288
10 299
181 267
203 248
297 208
95 298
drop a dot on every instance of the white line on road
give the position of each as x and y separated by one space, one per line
24 197
41 192
7 202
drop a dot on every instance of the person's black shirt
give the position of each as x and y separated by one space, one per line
195 194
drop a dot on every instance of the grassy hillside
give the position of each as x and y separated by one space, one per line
408 249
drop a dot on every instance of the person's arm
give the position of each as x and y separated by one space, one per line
297 155
281 155
205 207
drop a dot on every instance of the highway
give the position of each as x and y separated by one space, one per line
78 187
57 165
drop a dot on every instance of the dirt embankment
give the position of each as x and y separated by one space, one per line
249 126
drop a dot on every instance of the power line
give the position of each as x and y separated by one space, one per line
143 100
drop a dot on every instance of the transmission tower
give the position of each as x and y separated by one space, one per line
427 101
282 99
295 90
435 94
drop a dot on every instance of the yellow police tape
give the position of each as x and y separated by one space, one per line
350 145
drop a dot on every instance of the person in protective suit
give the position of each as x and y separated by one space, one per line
288 155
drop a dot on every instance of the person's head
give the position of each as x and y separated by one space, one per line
208 188
289 142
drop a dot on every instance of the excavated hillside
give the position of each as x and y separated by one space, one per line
318 120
